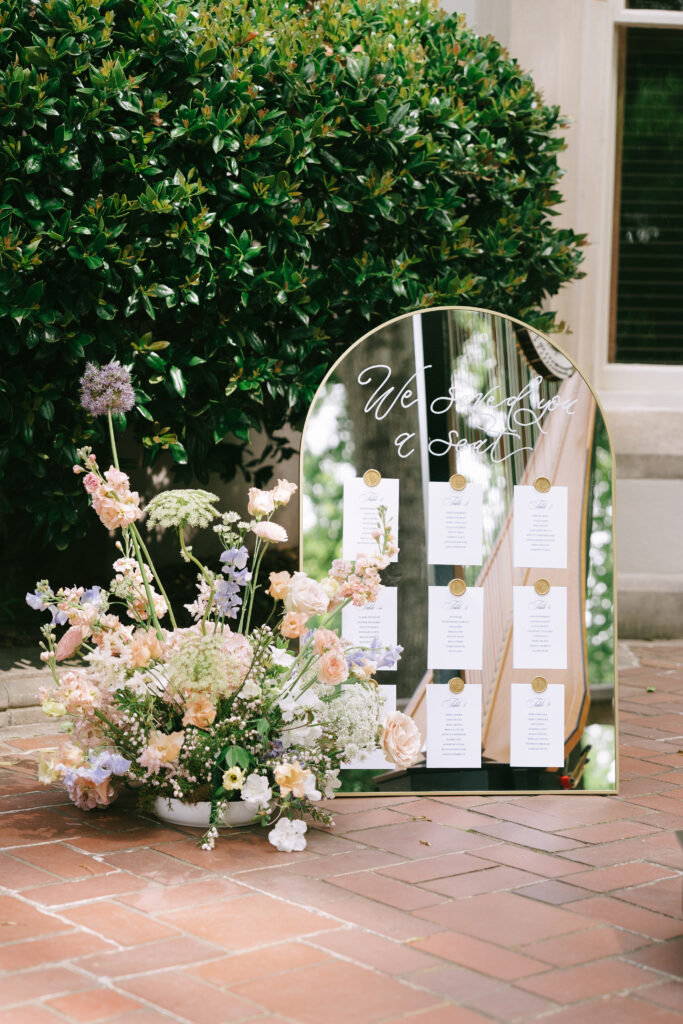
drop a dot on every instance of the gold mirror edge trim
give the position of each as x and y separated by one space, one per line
546 337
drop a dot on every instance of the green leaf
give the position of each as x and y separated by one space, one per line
179 382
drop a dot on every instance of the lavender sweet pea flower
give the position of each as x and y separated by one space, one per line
107 389
37 602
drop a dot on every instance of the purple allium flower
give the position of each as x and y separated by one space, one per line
107 388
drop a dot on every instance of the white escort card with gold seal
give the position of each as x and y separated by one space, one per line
540 526
537 724
455 524
373 623
539 626
363 496
454 725
455 627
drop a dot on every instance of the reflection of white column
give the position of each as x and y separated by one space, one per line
422 424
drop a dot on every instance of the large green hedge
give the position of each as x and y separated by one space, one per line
225 196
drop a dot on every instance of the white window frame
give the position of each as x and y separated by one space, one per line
635 378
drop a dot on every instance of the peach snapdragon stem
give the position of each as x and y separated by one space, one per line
150 563
136 546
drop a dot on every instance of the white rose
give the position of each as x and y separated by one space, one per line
401 739
256 791
288 835
306 596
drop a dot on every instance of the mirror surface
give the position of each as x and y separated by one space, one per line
476 395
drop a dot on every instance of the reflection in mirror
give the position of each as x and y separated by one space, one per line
504 477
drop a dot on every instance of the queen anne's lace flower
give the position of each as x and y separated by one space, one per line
182 508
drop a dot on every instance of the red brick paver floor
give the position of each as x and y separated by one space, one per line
442 910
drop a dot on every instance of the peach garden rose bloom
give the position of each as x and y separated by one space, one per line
291 778
279 585
332 668
401 740
293 625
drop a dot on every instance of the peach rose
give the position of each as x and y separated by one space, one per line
332 668
279 585
306 595
261 503
161 749
143 648
293 625
325 640
270 532
283 492
401 740
199 711
291 778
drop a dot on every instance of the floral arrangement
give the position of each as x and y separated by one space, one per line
217 710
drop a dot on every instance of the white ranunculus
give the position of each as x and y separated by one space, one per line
306 596
288 836
256 791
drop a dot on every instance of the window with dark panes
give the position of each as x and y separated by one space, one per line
647 315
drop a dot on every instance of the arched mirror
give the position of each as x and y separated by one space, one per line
490 453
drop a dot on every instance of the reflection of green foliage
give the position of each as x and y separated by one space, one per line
325 460
600 574
599 772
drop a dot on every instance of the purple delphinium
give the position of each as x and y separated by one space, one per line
107 389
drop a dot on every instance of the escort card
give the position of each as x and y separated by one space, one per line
361 519
377 759
455 525
453 727
456 629
373 624
536 726
539 628
540 528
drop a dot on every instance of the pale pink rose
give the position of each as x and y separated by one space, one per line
291 778
332 668
306 595
91 482
279 585
260 502
270 532
69 643
282 492
401 739
325 640
199 711
293 625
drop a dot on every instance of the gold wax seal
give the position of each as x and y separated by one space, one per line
542 484
456 684
539 684
457 587
458 482
371 477
541 587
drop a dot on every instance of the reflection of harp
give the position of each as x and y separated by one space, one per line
562 452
